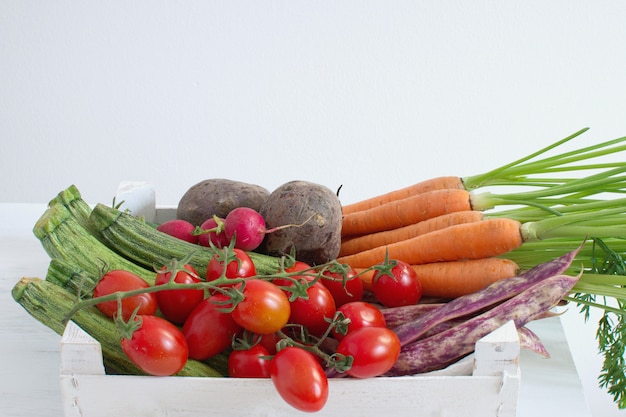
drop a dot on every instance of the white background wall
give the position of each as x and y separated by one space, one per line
371 95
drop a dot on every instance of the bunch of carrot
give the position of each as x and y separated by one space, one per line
454 240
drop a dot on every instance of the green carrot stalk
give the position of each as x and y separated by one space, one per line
518 172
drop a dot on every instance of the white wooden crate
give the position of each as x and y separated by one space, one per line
486 384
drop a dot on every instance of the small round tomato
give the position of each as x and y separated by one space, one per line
120 280
157 347
361 314
175 305
269 342
299 379
399 288
344 289
264 309
208 330
297 266
374 349
249 363
312 312
238 265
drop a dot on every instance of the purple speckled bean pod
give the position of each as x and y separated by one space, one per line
440 350
495 293
395 316
530 341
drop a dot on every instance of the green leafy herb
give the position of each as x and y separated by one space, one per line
611 333
611 336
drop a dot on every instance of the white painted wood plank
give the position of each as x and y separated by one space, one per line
85 393
80 353
498 351
89 396
138 197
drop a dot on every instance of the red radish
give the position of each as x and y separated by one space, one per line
247 226
212 230
180 229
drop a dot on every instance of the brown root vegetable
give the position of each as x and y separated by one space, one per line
315 213
218 197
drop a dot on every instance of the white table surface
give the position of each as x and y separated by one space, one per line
29 351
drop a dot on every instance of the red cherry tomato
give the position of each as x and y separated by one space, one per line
400 288
269 342
208 330
295 267
374 349
249 363
313 311
120 280
299 379
298 266
351 291
361 314
239 265
175 305
157 347
264 309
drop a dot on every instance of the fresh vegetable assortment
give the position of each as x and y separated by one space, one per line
296 288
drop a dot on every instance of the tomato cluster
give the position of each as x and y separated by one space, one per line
269 326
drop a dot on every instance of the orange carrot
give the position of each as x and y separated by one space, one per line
352 245
483 239
455 278
404 212
438 183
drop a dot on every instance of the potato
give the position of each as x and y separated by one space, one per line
218 197
316 212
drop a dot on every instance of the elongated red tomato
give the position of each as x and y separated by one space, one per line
249 363
175 305
312 312
208 330
120 280
157 347
295 267
299 379
318 305
374 349
239 265
264 309
344 289
361 314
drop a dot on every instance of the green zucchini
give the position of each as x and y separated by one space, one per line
63 237
71 199
134 239
49 304
67 275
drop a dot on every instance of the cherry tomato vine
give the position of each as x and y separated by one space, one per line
232 286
